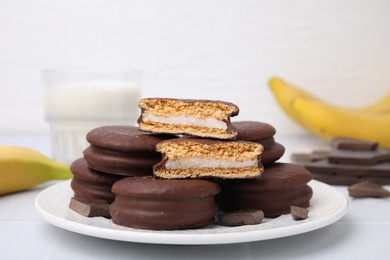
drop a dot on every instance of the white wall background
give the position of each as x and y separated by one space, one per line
228 50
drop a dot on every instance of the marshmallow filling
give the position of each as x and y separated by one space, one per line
186 120
190 163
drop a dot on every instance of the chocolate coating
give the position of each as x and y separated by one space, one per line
261 133
121 163
253 131
162 188
80 170
157 204
90 190
91 184
281 185
272 203
124 138
279 176
272 154
266 143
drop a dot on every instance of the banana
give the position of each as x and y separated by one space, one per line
285 93
22 168
381 107
328 121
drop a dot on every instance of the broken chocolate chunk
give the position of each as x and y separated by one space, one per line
367 189
240 217
90 207
299 213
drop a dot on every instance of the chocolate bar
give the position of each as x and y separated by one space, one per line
359 157
349 161
353 144
348 180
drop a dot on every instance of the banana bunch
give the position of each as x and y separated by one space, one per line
23 168
371 123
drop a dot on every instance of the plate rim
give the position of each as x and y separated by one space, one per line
172 238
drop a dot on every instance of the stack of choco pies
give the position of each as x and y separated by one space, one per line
185 163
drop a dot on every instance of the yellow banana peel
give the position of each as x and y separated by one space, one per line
329 121
23 168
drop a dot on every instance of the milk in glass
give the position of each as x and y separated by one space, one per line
75 106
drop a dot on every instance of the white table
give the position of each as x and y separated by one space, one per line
363 233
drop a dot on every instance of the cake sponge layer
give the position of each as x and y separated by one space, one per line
200 108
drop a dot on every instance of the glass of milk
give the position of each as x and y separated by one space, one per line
78 100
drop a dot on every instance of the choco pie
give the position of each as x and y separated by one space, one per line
186 162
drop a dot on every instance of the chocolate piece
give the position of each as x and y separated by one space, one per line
196 158
280 186
203 118
353 144
299 213
157 204
367 189
240 217
90 207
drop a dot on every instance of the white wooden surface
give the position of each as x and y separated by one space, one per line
225 50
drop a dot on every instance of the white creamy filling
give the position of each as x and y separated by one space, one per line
207 163
186 120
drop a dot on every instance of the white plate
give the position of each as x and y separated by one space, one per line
327 206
